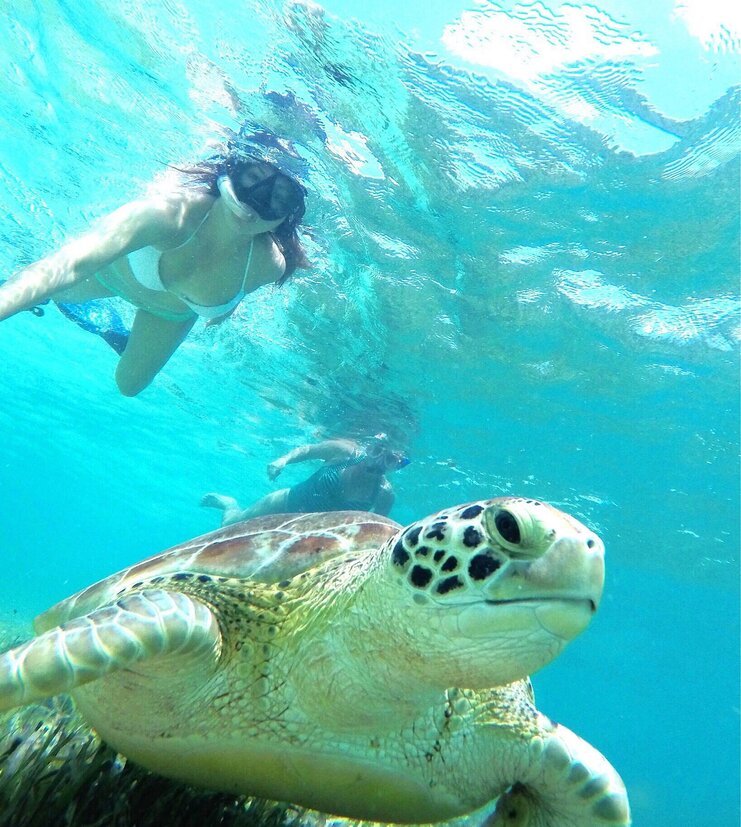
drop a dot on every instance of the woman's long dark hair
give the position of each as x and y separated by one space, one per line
208 172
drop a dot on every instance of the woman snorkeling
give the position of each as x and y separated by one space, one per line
197 250
352 478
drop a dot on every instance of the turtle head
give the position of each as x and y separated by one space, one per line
500 586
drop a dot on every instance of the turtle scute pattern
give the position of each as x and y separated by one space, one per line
265 549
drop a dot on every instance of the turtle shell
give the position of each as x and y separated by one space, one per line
266 549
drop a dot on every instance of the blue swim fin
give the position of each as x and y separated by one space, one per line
98 316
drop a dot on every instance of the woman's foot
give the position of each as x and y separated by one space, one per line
228 505
218 501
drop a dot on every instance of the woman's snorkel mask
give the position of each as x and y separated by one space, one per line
380 454
251 146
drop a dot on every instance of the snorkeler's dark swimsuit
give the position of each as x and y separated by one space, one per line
322 491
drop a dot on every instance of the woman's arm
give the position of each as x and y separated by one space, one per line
330 450
137 224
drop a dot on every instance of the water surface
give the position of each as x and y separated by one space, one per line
523 223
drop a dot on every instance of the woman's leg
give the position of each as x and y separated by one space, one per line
152 342
274 503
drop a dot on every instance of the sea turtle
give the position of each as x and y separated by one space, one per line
344 662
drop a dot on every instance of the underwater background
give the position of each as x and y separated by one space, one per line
523 221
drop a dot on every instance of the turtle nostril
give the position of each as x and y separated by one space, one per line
590 543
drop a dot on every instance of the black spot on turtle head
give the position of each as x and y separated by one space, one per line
420 576
471 537
438 556
471 512
482 565
451 564
204 578
412 536
436 531
182 575
422 551
400 556
449 584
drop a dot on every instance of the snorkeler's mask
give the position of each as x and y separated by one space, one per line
279 193
385 457
274 196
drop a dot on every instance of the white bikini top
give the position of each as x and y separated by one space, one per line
145 267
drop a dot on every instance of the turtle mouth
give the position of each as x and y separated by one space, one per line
525 600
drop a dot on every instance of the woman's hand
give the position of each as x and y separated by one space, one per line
275 468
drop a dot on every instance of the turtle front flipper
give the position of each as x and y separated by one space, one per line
568 784
137 627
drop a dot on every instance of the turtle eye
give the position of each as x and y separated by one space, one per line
506 530
508 527
517 526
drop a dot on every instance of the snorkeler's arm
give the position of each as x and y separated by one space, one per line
330 450
384 501
137 224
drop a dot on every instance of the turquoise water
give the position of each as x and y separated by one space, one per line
523 222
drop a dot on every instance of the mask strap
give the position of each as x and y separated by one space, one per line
226 190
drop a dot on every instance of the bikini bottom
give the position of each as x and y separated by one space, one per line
171 316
